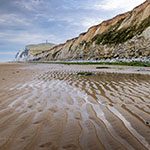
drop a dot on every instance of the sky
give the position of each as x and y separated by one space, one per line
24 22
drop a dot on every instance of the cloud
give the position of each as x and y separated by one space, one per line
30 5
88 22
28 38
7 53
110 5
13 19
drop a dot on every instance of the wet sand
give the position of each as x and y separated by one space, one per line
50 107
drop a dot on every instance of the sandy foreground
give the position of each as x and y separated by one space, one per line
50 107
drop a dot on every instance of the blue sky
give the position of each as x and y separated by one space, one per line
24 22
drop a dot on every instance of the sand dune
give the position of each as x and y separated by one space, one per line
50 107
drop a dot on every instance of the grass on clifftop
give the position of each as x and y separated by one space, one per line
141 64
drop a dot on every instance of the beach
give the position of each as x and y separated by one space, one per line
51 107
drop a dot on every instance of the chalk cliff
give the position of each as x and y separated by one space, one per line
29 52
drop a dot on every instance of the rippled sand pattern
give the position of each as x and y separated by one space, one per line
58 110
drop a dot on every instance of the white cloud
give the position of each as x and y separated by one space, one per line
65 19
13 19
30 5
115 4
85 23
28 38
88 22
7 53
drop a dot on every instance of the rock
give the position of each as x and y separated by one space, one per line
89 74
146 33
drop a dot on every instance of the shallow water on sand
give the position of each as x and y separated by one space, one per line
61 110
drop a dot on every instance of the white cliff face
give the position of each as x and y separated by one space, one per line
22 55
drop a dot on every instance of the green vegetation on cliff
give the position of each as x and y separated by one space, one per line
114 36
54 54
145 23
135 63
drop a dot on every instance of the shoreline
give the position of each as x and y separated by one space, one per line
120 62
98 68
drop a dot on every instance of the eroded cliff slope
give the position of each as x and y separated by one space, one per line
126 36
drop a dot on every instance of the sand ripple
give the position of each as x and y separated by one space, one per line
56 109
